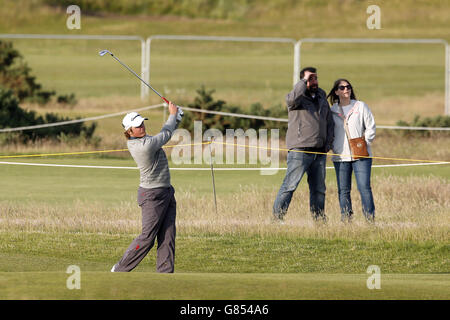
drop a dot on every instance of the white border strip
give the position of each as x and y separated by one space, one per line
200 169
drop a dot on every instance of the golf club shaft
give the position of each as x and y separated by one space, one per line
129 69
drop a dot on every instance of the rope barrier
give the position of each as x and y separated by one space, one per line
222 143
62 123
199 169
239 115
90 152
332 154
61 154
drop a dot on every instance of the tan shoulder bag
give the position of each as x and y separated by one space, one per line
358 146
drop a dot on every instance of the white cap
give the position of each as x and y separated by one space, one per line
132 119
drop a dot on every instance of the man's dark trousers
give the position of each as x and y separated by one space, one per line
158 221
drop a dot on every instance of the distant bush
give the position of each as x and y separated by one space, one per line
11 116
205 101
67 99
430 122
189 8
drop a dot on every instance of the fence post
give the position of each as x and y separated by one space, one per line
447 82
147 60
297 48
144 89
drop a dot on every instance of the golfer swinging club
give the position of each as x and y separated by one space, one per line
155 193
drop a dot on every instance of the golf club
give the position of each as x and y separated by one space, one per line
103 52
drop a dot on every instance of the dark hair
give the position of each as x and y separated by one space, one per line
127 133
333 97
310 69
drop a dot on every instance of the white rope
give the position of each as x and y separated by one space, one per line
414 128
198 169
239 115
62 123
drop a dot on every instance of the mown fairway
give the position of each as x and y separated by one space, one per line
223 286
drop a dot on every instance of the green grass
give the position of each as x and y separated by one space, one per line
208 266
400 18
207 286
228 253
74 66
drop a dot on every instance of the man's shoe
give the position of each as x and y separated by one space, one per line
347 217
113 269
278 218
370 219
319 217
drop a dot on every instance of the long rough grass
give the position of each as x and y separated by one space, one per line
407 209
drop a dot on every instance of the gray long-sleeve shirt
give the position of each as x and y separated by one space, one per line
150 158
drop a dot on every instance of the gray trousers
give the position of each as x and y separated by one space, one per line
158 221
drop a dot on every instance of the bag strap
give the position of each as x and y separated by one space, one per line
341 114
345 119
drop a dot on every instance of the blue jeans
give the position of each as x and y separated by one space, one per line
362 169
297 164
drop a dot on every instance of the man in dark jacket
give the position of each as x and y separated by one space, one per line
309 137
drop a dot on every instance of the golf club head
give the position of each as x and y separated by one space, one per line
103 52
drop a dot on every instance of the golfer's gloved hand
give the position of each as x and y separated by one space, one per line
180 114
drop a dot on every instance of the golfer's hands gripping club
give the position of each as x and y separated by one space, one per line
173 109
180 114
176 110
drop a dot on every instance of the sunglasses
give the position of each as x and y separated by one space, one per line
349 87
